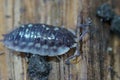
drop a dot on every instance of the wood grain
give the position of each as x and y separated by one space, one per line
95 62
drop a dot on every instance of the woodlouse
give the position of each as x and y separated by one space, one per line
41 39
45 40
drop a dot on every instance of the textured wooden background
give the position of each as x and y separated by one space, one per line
94 63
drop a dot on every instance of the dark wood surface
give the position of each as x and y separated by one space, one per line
95 62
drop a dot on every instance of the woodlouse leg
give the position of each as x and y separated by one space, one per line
58 58
83 34
86 24
77 52
79 38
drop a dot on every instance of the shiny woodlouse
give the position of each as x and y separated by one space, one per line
41 39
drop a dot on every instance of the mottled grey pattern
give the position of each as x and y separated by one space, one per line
40 39
38 68
105 12
115 25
